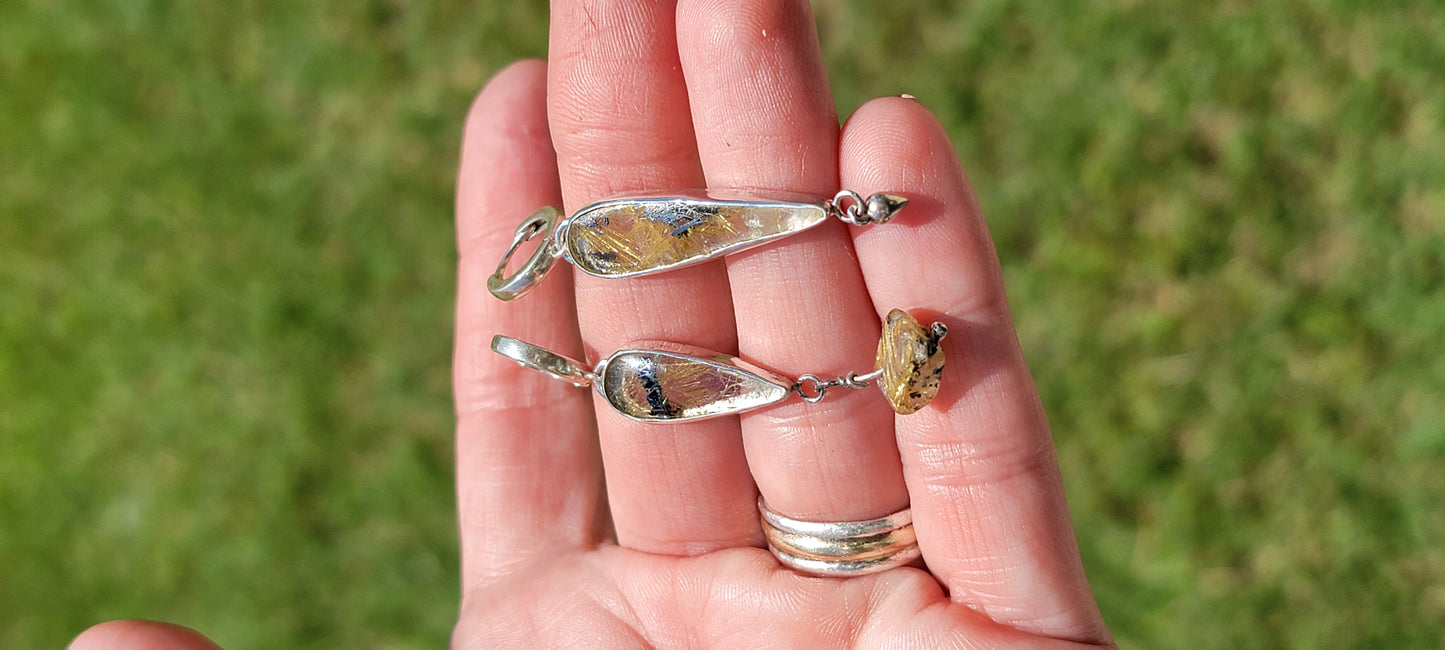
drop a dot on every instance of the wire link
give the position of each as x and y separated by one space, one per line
849 207
813 388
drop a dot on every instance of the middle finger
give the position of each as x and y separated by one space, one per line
764 117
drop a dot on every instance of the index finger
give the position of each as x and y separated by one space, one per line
514 425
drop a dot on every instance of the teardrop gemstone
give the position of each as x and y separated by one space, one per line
911 360
663 385
634 236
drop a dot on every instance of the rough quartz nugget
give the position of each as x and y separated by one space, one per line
911 360
663 385
631 236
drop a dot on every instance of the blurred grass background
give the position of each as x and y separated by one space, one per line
226 277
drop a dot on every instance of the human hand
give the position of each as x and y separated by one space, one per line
732 93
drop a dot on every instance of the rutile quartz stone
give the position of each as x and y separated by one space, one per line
663 385
911 360
622 238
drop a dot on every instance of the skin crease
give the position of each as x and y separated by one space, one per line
666 551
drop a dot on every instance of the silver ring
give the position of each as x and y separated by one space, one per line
844 548
835 529
849 548
846 568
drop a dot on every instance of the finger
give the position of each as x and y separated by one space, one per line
988 503
515 425
620 122
765 118
141 635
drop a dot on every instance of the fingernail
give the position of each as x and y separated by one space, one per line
908 96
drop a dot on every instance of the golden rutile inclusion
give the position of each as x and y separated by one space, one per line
912 362
623 238
659 385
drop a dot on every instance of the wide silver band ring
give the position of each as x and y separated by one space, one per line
846 568
845 548
835 529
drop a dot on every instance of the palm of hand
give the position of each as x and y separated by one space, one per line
737 598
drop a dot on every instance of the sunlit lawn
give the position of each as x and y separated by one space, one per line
226 276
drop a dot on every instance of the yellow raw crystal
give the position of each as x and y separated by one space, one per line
627 237
911 360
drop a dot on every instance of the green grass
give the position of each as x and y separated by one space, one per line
226 276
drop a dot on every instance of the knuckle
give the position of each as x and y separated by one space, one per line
975 462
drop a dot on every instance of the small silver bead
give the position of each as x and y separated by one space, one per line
878 209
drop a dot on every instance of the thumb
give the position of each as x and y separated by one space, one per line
141 635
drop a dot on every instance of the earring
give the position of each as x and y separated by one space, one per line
670 382
628 237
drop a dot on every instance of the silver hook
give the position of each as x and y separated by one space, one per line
511 287
547 361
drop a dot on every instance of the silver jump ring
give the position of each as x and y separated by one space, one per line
811 388
850 207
